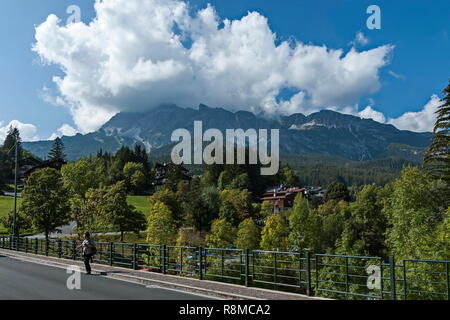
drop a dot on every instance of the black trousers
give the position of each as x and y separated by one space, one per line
87 262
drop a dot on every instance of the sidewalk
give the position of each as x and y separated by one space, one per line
205 287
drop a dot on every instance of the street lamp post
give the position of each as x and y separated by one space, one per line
15 188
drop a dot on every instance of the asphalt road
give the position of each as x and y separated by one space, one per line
21 280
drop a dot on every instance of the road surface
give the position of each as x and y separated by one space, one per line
21 280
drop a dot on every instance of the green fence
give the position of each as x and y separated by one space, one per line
324 275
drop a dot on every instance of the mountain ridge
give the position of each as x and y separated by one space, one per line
324 132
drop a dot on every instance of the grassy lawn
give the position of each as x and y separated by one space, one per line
6 206
140 202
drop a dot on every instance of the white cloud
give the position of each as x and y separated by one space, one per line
138 54
421 121
28 132
64 130
370 113
361 39
396 75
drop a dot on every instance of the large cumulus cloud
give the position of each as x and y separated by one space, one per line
137 54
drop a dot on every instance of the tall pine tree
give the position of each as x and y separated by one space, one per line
57 151
437 158
8 157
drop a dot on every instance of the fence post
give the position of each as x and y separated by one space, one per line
36 246
309 291
448 279
111 253
247 267
392 277
163 259
347 287
10 242
200 263
26 245
59 248
316 268
135 258
74 249
275 273
405 288
222 254
46 246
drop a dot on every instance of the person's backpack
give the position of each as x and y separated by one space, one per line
94 249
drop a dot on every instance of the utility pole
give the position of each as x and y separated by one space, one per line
15 188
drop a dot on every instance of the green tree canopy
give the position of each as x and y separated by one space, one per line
417 206
306 227
134 177
45 201
161 229
80 176
337 191
248 235
274 234
122 216
222 235
364 231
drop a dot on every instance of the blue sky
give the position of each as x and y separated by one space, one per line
418 66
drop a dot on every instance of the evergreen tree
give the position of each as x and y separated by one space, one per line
437 159
7 158
57 151
10 140
337 191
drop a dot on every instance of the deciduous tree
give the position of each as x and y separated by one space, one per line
274 234
248 235
45 201
222 235
161 229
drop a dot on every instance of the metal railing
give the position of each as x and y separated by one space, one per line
326 275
